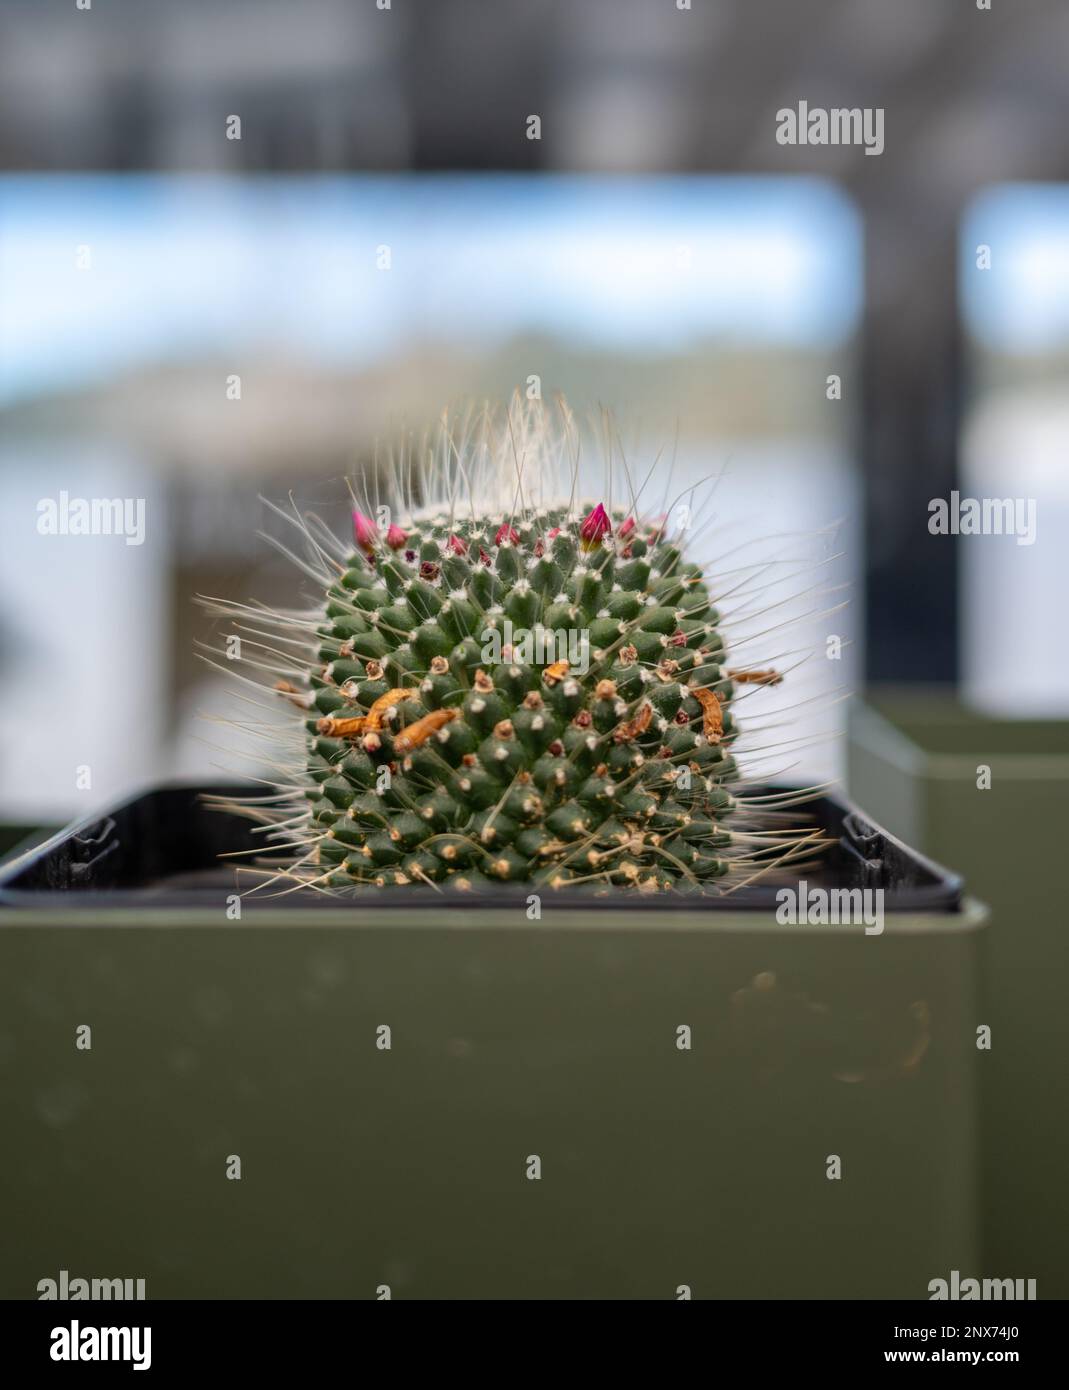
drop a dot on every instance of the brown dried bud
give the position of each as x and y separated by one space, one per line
293 695
768 677
335 726
634 727
379 711
712 714
418 733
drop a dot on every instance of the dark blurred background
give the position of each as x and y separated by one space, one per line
655 251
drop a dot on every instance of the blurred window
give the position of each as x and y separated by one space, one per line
192 340
1014 260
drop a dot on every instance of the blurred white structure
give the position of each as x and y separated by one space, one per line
1015 445
85 640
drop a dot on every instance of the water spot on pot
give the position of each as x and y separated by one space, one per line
459 1047
61 1105
613 960
182 1061
398 1273
41 1003
212 1005
476 969
894 1042
328 969
212 1148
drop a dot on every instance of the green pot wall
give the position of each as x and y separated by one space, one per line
913 761
363 1167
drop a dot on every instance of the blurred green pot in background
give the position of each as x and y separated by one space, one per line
990 797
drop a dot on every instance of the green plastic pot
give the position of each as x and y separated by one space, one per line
664 1169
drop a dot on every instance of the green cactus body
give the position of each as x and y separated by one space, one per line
538 697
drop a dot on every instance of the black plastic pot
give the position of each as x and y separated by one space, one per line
164 847
662 1166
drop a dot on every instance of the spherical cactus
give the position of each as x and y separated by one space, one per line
504 688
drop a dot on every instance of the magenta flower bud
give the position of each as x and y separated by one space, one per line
365 532
506 533
627 527
596 525
552 535
456 545
395 537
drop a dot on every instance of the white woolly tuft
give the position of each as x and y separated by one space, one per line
490 461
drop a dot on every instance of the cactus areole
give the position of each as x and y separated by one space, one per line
537 695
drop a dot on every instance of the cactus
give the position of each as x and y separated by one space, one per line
500 686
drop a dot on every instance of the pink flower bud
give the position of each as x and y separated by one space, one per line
395 537
506 533
627 527
456 545
596 525
365 532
